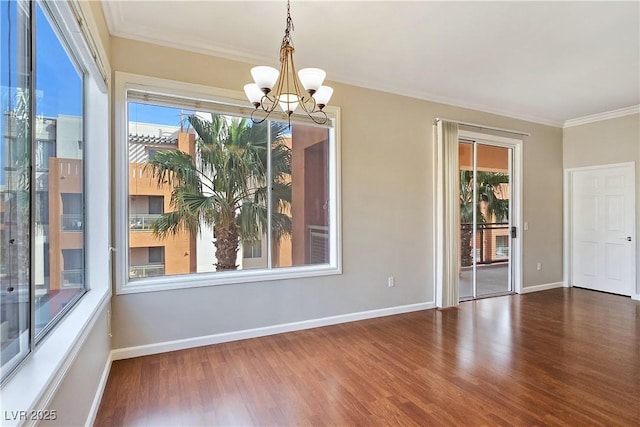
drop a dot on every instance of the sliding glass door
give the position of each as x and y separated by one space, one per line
485 212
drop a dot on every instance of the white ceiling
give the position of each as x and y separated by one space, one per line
547 62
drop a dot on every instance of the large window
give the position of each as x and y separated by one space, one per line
221 198
42 232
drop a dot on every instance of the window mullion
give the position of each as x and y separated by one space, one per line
32 177
269 201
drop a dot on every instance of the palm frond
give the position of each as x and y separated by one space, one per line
280 226
170 223
489 189
252 220
174 167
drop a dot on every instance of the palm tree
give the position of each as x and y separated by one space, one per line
224 186
490 205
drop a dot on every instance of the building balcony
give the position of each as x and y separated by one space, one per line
72 278
142 222
71 222
149 270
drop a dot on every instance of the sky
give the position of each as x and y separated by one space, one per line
145 113
58 83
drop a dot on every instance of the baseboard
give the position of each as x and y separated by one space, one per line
543 287
636 297
95 405
144 350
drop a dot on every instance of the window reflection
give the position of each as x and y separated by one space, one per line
14 185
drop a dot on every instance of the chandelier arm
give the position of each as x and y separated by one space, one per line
278 89
294 76
321 121
263 104
296 82
285 72
303 104
258 121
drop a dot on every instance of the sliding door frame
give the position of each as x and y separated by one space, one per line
516 195
439 175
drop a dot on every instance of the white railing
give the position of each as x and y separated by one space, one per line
72 278
142 222
318 244
150 270
71 222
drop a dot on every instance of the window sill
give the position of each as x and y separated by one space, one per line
198 280
35 382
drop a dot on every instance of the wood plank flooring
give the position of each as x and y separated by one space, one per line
559 357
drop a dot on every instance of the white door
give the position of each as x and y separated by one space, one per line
602 229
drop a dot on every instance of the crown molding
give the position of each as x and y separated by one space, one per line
454 102
118 27
607 115
113 15
195 45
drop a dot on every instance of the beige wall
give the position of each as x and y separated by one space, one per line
387 212
601 143
607 142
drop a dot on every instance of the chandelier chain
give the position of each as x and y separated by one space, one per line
286 40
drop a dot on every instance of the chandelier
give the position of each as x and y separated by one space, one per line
273 88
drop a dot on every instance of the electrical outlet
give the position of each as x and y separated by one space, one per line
539 266
391 281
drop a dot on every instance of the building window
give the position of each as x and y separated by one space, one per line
151 154
43 242
156 205
240 200
72 211
252 249
156 255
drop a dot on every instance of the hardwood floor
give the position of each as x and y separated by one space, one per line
558 357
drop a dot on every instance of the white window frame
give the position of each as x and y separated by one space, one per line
205 94
34 383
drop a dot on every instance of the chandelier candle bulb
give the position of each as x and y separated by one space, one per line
311 79
288 102
322 96
254 93
265 77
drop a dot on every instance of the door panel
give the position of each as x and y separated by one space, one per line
485 212
467 281
493 184
602 226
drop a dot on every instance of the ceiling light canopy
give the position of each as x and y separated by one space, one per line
286 88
